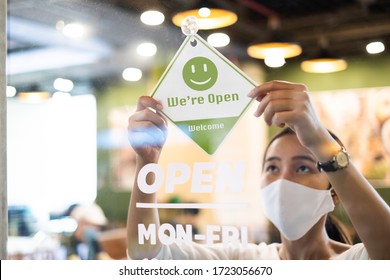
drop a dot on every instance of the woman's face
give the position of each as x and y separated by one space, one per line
287 159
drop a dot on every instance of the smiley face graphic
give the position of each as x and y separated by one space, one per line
200 73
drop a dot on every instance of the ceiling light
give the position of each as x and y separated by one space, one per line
64 85
33 96
375 47
324 62
285 49
132 74
147 49
74 30
152 17
209 18
324 65
274 42
11 91
274 60
218 40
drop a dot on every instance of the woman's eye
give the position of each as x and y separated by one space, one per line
303 169
271 168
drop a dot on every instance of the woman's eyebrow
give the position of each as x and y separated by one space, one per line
273 158
309 158
299 157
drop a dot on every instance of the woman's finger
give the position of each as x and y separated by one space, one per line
264 89
284 95
147 115
277 106
148 102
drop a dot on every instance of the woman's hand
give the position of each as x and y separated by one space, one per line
283 103
147 129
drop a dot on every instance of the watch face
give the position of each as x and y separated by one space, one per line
342 159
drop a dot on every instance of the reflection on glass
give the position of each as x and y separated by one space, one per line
132 74
11 91
63 84
375 47
152 17
74 30
218 39
147 49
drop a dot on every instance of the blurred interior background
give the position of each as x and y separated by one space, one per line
75 69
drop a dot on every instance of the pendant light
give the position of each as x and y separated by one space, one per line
33 95
276 45
324 62
208 17
324 65
285 49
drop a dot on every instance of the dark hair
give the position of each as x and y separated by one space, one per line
191 211
288 131
335 229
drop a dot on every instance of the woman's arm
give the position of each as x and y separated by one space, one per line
147 135
283 103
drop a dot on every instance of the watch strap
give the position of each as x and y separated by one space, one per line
326 166
331 165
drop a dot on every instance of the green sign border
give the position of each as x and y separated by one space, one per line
227 61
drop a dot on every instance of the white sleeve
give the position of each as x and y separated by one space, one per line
196 251
193 251
356 252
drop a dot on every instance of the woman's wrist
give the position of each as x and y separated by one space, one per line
325 148
143 160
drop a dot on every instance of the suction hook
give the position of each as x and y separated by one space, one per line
190 27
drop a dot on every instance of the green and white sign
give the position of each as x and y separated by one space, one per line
203 93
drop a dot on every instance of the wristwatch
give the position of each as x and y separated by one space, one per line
339 161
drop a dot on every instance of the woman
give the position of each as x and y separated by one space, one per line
291 178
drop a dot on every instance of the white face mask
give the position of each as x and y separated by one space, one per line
294 208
